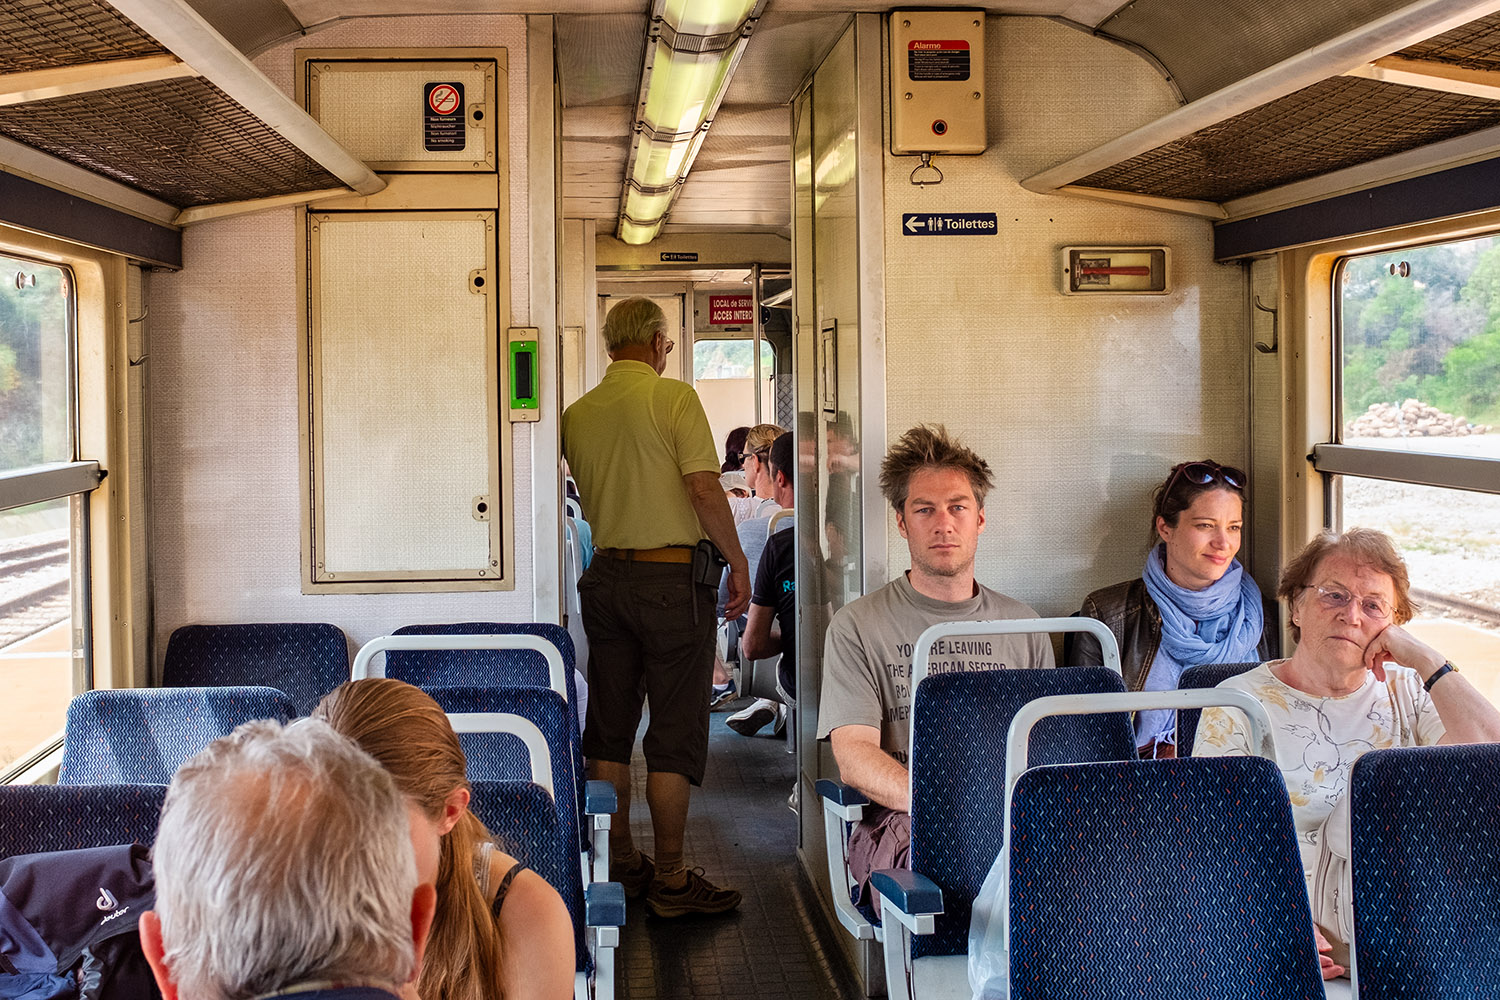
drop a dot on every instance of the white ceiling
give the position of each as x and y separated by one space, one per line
740 178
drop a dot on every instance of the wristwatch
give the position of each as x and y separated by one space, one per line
1438 674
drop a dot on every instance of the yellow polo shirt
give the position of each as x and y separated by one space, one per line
629 441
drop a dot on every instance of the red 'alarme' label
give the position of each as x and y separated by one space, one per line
937 59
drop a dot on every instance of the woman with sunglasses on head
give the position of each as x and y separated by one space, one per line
1341 693
1193 603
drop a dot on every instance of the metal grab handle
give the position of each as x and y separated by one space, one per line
1017 741
1012 626
556 670
522 729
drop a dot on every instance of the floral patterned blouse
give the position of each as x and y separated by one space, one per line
1318 739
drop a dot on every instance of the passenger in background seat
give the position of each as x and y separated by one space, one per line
501 929
752 520
285 867
937 488
1193 604
774 599
648 474
734 449
763 503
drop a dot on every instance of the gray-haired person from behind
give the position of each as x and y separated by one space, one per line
285 866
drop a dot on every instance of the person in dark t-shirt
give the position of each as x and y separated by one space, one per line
773 600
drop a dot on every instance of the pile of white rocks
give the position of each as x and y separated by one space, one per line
1413 418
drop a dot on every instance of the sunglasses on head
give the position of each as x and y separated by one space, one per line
1203 473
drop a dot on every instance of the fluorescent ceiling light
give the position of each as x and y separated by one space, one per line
660 164
636 234
648 206
706 17
684 89
691 52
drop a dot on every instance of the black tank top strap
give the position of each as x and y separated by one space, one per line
504 887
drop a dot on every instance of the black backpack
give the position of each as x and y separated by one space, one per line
68 925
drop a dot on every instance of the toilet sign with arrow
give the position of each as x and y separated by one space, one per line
949 224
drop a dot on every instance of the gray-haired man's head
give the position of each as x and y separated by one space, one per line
636 330
284 856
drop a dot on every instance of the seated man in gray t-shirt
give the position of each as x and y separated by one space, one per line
937 487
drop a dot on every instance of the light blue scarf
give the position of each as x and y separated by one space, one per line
1221 623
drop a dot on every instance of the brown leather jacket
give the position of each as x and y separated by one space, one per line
1130 613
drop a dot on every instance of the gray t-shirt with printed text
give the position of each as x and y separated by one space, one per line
868 650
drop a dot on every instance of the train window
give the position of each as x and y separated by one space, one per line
1417 449
38 440
1420 334
724 359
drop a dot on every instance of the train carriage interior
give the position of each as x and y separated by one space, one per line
294 293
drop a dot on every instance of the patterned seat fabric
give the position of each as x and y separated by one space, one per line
1205 675
524 820
483 667
141 735
1425 851
1158 880
37 818
305 659
503 757
960 722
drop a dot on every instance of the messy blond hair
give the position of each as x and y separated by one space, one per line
928 446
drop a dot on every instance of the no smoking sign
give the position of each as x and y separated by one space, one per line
443 98
443 117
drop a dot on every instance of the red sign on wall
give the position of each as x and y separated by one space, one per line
730 310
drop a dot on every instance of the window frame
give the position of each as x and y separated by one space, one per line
1335 458
74 479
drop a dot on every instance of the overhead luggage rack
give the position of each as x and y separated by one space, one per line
1413 92
146 96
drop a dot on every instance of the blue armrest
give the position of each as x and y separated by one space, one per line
907 891
599 797
843 794
604 904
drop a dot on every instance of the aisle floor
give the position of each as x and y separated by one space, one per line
742 833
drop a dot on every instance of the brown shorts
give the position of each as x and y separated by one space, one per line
644 646
881 840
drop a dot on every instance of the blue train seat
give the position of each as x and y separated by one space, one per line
38 818
957 752
1205 675
524 818
497 654
306 660
1158 880
141 735
1425 859
585 806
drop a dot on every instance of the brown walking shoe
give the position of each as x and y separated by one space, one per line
635 878
696 895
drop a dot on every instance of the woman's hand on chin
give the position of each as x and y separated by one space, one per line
1396 645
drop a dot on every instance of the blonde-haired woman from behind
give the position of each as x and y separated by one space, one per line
501 931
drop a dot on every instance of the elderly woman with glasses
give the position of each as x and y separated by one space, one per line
1342 692
1193 603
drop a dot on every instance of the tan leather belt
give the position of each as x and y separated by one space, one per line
669 554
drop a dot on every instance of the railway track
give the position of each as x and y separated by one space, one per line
1431 601
33 579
